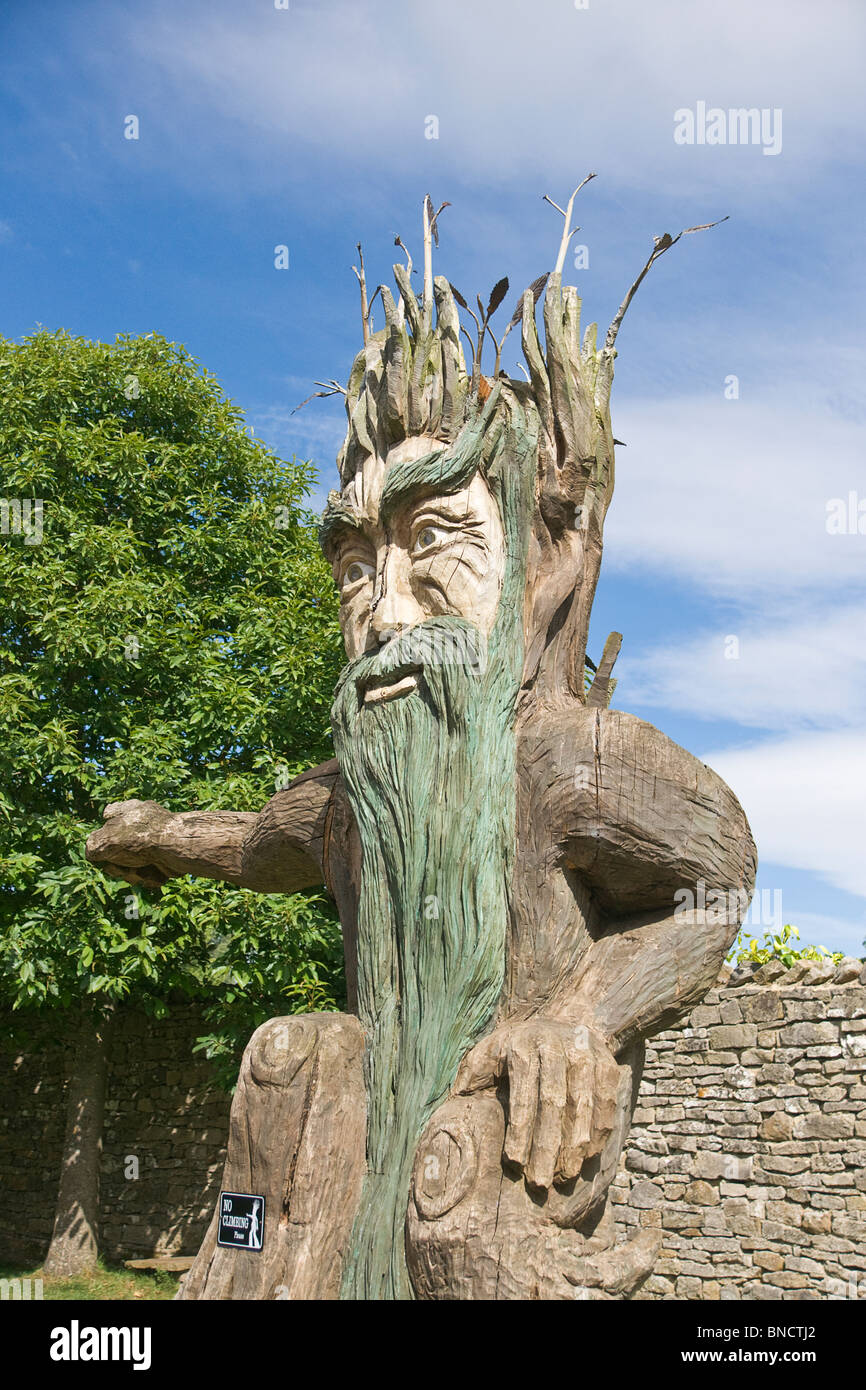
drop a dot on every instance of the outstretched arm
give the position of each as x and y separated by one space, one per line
276 850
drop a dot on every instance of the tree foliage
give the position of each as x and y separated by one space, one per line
172 636
778 946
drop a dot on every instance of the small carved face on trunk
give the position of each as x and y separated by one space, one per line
407 553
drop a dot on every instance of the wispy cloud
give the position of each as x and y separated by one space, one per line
805 797
733 496
511 94
809 672
314 434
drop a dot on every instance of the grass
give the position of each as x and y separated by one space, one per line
106 1282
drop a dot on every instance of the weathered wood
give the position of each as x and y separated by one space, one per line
477 1230
276 850
530 883
599 693
296 1137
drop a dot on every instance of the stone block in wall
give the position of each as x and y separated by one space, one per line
801 1035
777 1126
721 1165
732 1037
762 1007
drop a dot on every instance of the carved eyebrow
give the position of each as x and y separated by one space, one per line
339 519
446 506
440 472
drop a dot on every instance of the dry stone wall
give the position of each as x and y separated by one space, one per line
165 1129
748 1148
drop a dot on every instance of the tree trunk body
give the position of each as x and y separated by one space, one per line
74 1241
296 1138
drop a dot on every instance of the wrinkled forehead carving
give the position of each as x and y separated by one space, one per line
380 485
419 466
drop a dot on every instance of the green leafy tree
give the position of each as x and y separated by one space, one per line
167 631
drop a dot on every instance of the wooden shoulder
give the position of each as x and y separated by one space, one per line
284 851
637 816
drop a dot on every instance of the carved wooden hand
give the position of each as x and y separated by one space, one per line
562 1084
277 850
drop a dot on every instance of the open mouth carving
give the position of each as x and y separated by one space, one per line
379 689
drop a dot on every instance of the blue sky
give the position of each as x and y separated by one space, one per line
307 127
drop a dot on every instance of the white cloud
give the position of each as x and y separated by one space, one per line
801 673
805 798
732 495
546 89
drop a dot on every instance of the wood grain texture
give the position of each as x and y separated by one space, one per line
573 854
283 851
477 1230
276 850
296 1138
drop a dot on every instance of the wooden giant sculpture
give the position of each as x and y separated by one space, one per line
506 852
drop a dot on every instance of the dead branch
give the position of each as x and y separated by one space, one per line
331 388
365 308
661 244
567 231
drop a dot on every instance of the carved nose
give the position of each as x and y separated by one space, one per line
395 607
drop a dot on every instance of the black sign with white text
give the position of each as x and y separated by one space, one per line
242 1221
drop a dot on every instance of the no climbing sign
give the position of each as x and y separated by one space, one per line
242 1221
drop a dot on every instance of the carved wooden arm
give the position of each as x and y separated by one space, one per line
276 850
666 852
645 973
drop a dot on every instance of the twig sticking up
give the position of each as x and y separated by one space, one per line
365 308
428 257
463 305
434 219
661 244
431 234
331 388
599 693
482 325
535 289
567 231
398 241
401 308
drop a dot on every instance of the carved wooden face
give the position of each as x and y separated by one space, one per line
431 556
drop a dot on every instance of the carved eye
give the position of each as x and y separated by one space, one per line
356 572
426 537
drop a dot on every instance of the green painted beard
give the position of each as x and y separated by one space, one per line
431 780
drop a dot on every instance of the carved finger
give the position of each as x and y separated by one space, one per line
605 1088
482 1067
523 1073
577 1121
552 1098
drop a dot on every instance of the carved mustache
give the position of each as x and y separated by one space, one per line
419 649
